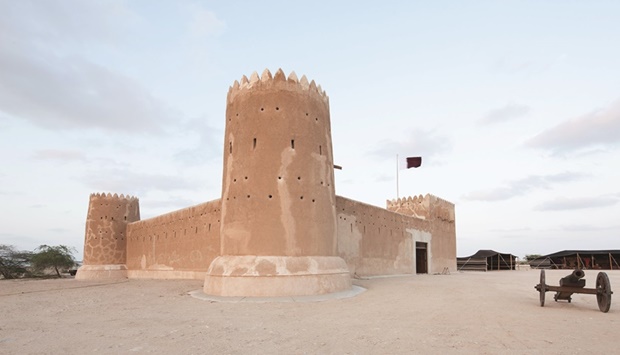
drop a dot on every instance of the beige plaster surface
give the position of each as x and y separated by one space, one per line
461 313
272 276
180 244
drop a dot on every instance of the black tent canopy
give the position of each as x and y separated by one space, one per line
579 259
486 260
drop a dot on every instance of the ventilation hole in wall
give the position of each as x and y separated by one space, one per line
209 227
270 196
262 109
237 115
299 178
306 113
234 180
320 150
254 144
316 118
351 227
101 217
234 197
277 108
312 200
230 147
301 197
246 178
279 177
292 144
321 182
227 198
364 229
248 196
196 229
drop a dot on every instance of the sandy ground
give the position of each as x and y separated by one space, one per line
483 313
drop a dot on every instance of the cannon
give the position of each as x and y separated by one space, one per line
574 283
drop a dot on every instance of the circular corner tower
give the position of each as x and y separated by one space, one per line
105 241
278 229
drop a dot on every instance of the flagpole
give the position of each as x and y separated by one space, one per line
397 192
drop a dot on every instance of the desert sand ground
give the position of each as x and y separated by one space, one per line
472 312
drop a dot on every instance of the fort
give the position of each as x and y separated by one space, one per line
278 228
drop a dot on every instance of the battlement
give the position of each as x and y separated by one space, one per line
278 81
110 196
423 207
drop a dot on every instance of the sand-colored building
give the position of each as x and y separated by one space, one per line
278 228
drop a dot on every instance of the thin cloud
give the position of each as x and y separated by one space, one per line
523 186
59 155
209 146
48 84
506 113
588 131
123 181
70 92
425 143
578 203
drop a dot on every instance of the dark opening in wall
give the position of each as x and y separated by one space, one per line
254 144
292 144
196 229
270 196
230 147
277 108
209 227
262 109
320 150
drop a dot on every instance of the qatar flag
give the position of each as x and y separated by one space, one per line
413 162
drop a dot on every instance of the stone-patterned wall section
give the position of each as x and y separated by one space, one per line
105 237
179 244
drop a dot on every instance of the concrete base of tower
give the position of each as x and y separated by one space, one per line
101 272
276 276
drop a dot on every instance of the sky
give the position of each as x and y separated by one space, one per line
513 105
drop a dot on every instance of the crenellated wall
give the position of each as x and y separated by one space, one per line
179 244
278 229
377 241
277 185
441 215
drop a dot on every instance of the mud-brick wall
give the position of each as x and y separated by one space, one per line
375 241
179 244
443 230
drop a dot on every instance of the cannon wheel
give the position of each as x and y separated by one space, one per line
543 288
603 294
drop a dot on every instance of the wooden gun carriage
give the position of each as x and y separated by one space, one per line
574 283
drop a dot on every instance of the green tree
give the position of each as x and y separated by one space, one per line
13 263
56 257
530 257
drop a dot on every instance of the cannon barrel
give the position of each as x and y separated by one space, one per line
574 279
